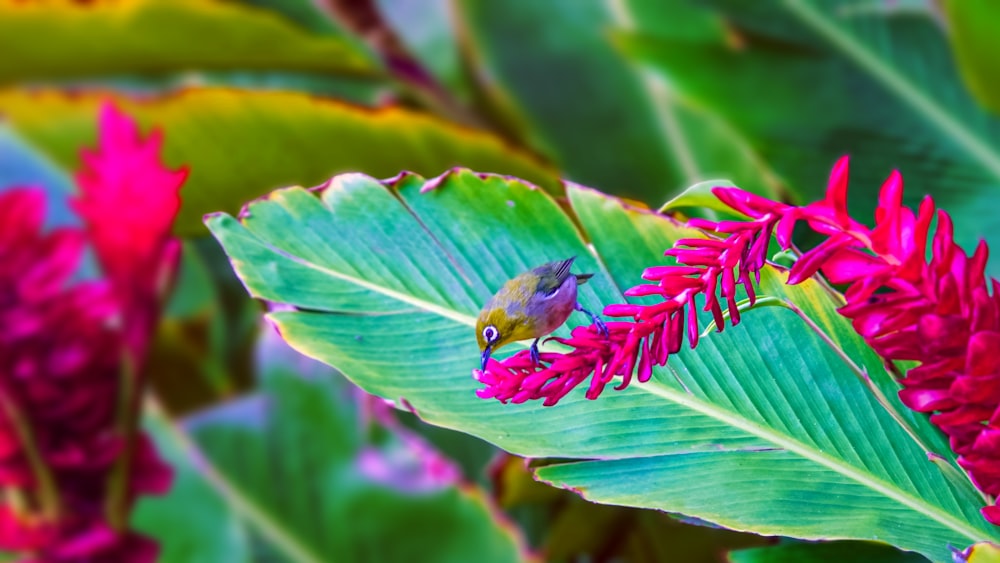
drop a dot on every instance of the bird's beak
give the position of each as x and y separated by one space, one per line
486 355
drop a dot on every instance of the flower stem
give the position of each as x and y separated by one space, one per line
48 492
743 306
117 500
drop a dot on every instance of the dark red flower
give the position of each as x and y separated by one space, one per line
940 312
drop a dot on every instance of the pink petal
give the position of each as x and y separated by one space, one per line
976 389
982 357
887 233
810 262
927 400
836 190
988 443
963 415
848 265
22 211
747 203
991 514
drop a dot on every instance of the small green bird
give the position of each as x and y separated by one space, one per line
531 305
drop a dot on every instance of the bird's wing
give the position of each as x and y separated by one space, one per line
552 275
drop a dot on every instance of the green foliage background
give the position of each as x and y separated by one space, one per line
636 98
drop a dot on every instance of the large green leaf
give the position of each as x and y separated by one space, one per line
603 122
764 427
160 36
807 81
290 474
240 144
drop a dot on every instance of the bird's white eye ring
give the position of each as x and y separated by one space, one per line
490 333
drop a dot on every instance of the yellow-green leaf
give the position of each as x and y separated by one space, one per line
242 144
58 40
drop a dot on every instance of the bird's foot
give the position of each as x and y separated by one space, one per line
535 359
601 326
598 321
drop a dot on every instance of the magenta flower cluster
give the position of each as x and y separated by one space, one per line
941 312
67 346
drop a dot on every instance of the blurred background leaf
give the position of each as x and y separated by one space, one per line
427 28
207 333
975 43
149 37
578 101
209 534
22 166
301 471
806 82
241 144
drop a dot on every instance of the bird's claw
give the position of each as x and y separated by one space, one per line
603 328
535 359
598 321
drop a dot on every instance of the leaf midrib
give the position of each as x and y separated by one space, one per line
445 312
794 446
421 304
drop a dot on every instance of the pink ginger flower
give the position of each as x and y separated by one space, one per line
710 266
128 201
63 352
941 312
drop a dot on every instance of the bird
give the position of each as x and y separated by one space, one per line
531 305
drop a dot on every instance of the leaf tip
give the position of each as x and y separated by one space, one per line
216 220
211 217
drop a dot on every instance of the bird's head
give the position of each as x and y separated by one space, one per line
495 328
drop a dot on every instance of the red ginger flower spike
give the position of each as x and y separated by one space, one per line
942 312
128 201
